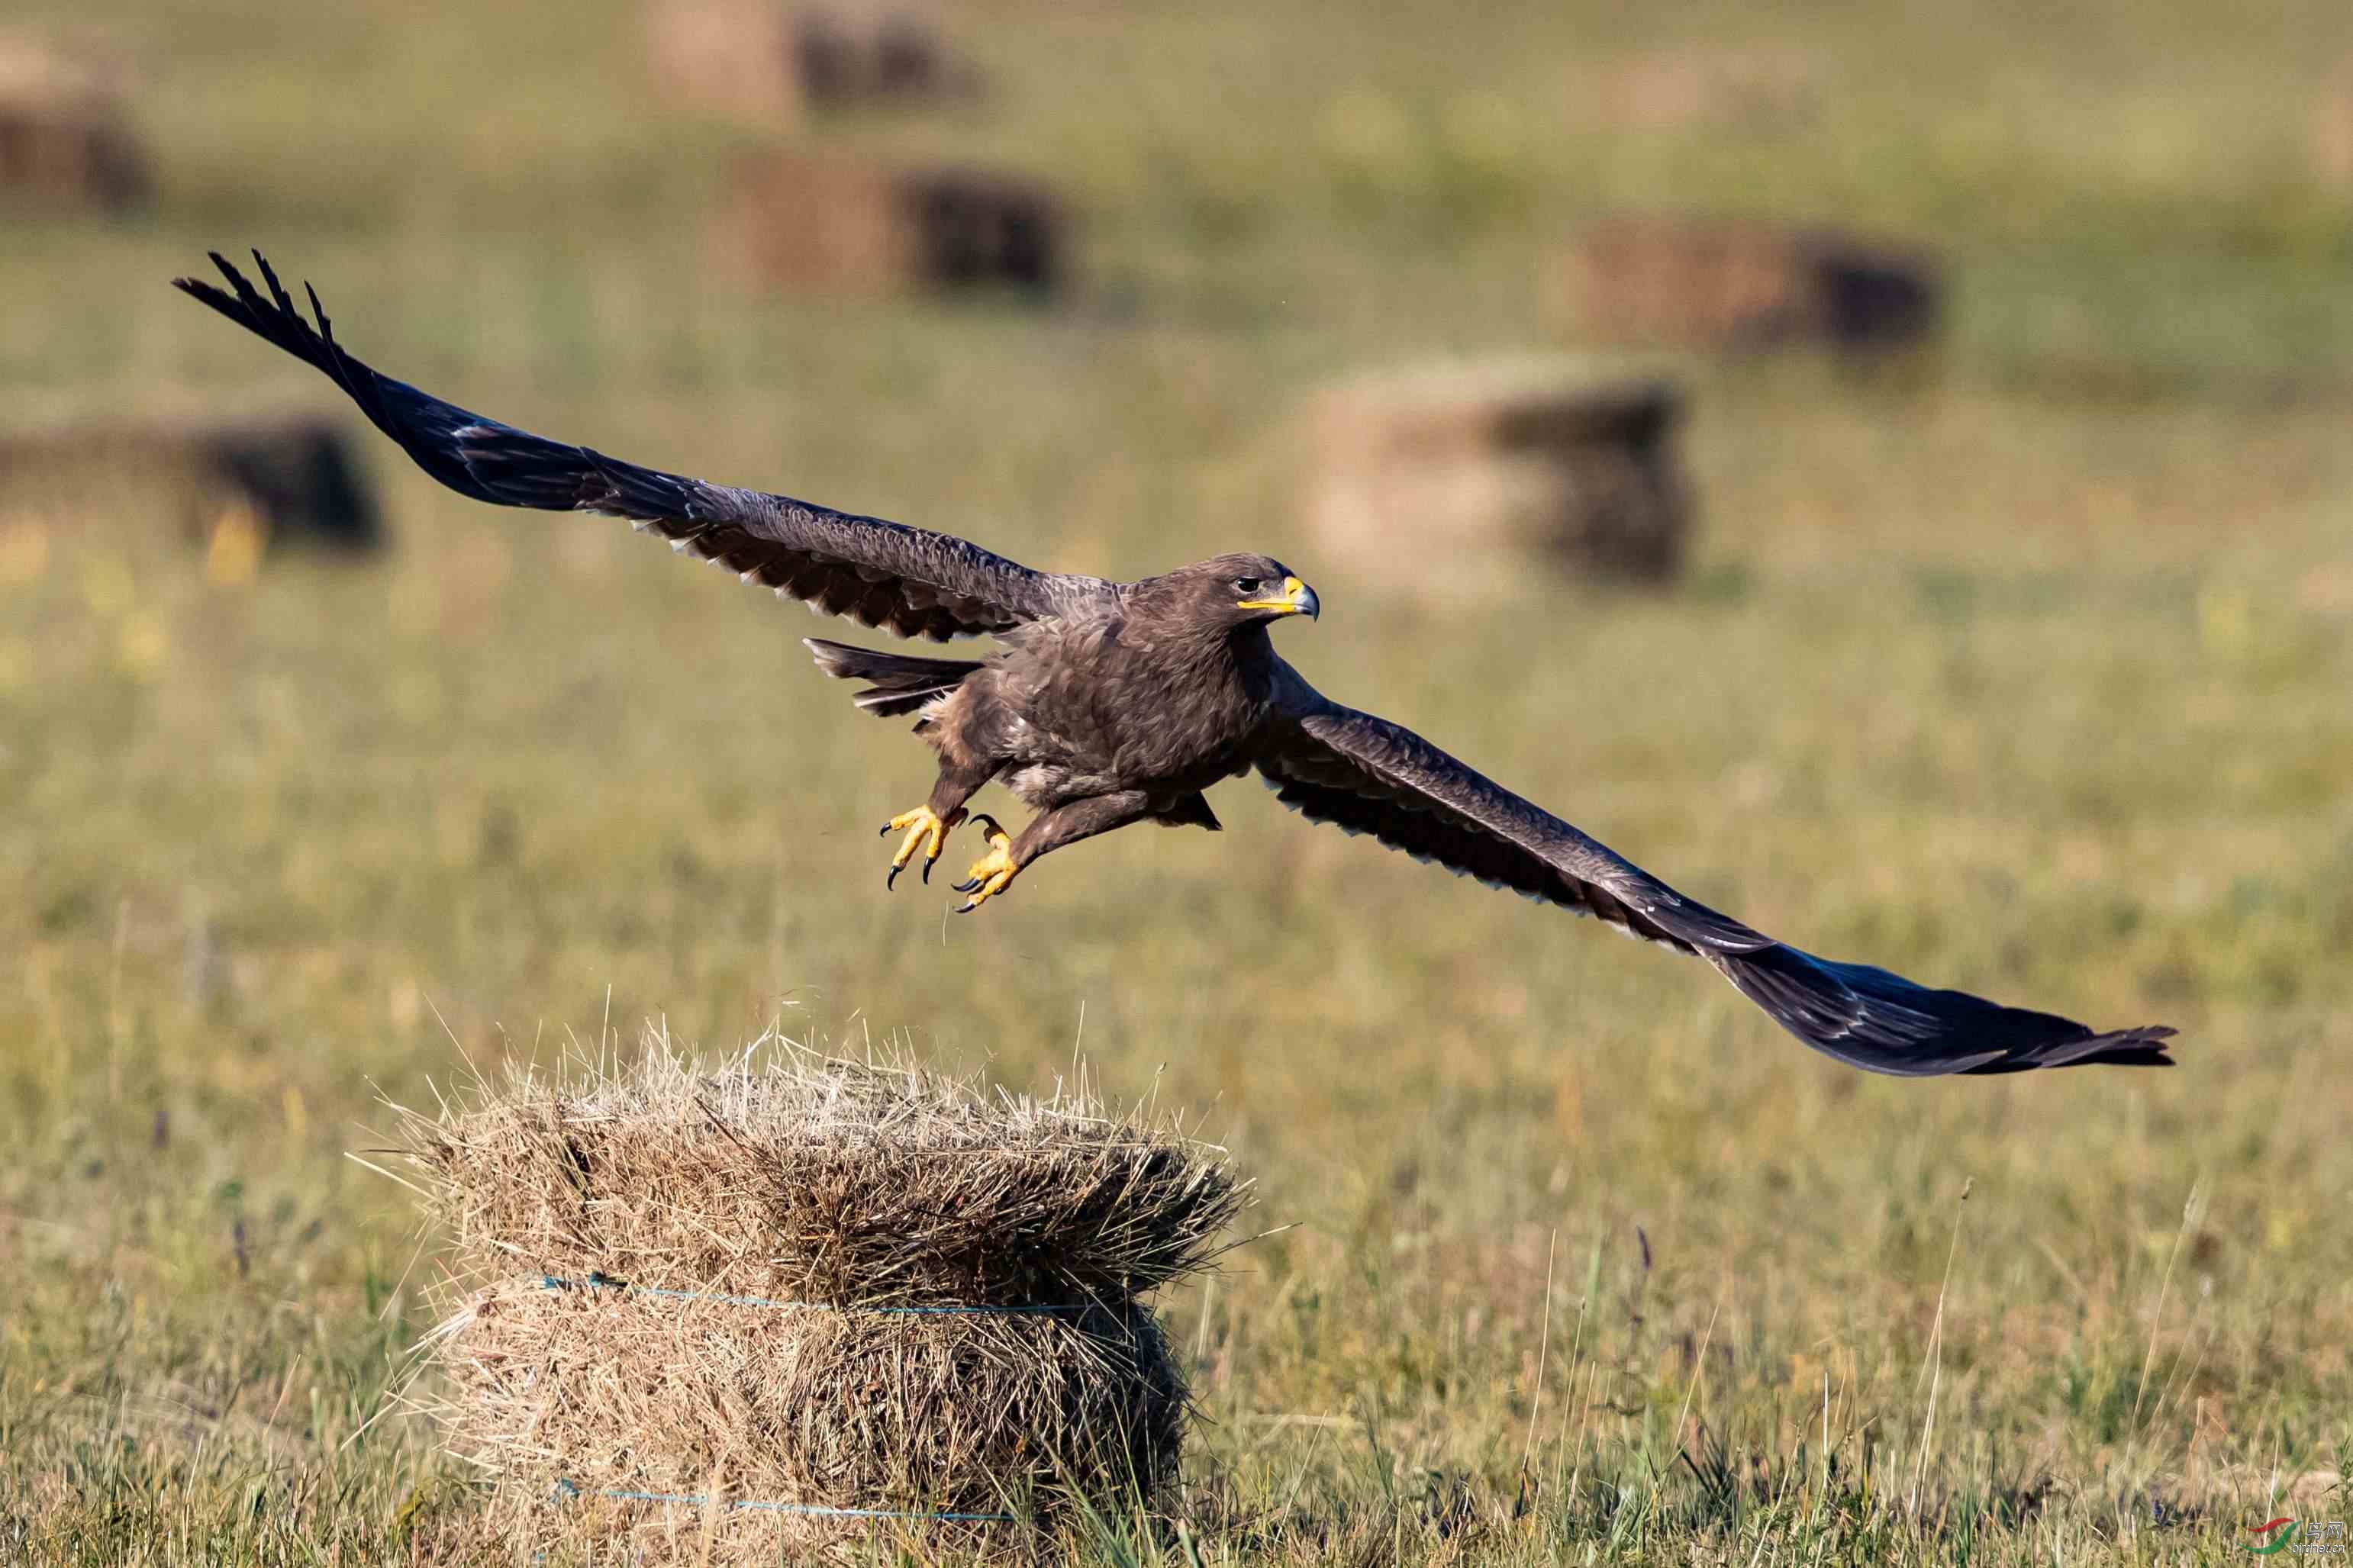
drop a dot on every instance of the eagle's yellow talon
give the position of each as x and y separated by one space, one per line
926 831
992 873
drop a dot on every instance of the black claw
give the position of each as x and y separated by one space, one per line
891 876
967 907
885 833
971 887
927 873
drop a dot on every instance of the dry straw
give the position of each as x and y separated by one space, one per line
735 1306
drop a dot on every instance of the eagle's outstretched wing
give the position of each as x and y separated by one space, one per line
1369 776
909 580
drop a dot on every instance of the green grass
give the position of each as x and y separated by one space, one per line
2028 674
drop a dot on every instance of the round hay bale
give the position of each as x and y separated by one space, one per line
802 220
268 481
2332 130
802 1286
727 57
66 134
852 55
1758 90
1445 479
1739 284
769 63
833 1181
581 1395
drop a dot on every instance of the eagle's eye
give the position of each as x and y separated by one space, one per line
1246 585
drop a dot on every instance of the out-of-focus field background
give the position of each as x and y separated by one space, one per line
2025 668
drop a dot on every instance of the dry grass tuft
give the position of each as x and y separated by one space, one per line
758 1283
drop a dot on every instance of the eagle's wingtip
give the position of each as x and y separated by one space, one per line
2146 1047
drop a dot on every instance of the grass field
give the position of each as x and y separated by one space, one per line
2026 672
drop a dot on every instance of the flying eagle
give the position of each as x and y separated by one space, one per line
1110 703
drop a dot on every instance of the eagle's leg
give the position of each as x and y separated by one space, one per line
1046 831
927 827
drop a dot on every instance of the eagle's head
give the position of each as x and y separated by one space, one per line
1235 591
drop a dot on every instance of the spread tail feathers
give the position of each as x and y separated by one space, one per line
896 682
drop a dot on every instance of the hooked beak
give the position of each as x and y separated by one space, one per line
1298 599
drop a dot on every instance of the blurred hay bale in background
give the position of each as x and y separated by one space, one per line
827 221
727 58
235 489
1728 283
66 137
2332 130
770 64
874 55
1443 477
1687 88
806 1286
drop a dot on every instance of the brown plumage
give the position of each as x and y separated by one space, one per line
1109 703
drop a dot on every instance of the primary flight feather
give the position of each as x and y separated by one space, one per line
1110 703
